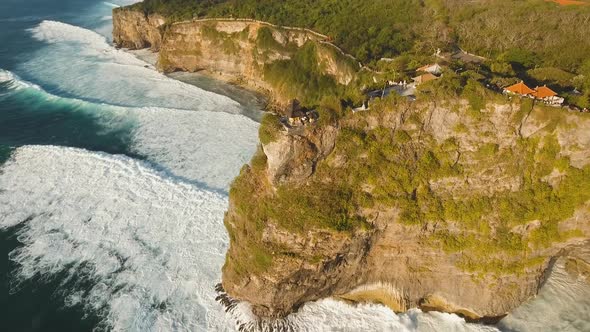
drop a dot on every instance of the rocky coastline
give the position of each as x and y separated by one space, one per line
386 260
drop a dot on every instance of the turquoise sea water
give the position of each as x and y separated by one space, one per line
34 304
56 91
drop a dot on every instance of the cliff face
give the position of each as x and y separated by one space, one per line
237 51
437 205
136 30
455 243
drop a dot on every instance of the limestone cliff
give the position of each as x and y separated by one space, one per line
411 205
436 204
244 52
135 30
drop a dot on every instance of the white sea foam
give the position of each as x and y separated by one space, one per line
15 82
82 64
110 4
6 76
202 146
563 304
153 246
333 315
197 144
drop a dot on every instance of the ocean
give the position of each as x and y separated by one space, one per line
114 182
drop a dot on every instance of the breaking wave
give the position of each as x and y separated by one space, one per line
13 82
80 63
202 146
110 4
150 246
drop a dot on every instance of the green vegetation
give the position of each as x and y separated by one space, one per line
302 76
582 82
396 169
525 33
532 40
270 125
265 40
226 41
475 94
553 76
350 23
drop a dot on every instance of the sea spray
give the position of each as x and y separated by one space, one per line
194 145
154 245
335 315
81 64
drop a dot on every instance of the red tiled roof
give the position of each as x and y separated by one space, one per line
543 92
424 78
521 89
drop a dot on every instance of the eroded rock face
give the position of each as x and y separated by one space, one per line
428 277
316 263
136 30
229 50
402 256
295 278
293 158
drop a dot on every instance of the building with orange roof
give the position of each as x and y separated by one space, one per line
548 96
424 78
542 92
519 89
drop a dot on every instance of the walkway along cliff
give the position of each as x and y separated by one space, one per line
445 203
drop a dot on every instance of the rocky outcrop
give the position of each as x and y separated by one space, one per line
400 264
293 158
479 266
235 51
300 278
135 30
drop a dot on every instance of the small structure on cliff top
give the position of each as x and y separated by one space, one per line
519 89
548 96
434 69
297 115
542 93
402 88
424 78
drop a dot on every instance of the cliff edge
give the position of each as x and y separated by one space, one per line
431 204
447 203
253 54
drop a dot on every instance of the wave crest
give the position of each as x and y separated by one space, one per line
84 65
152 245
205 147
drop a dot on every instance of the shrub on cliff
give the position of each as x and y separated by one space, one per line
302 76
266 41
270 125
